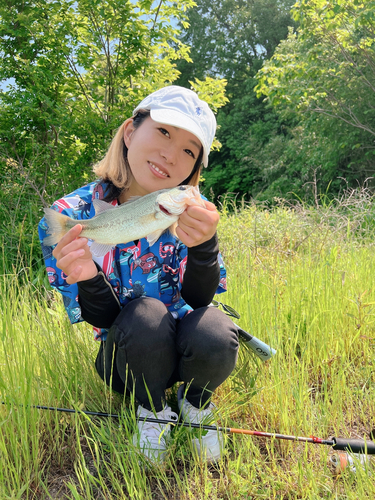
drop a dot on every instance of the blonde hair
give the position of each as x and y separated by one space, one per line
114 167
194 181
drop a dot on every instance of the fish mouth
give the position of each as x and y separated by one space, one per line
164 210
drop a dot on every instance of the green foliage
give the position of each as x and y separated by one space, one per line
314 131
245 126
298 276
78 70
75 71
323 75
232 39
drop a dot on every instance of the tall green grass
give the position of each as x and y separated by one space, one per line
301 278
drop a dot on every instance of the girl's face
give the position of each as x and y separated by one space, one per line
160 156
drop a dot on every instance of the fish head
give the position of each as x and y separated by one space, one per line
175 201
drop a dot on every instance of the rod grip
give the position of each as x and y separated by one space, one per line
354 445
261 349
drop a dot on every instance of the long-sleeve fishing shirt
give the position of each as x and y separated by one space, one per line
180 277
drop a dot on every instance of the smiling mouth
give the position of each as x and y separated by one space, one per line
158 169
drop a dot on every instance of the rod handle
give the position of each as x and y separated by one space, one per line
354 445
261 349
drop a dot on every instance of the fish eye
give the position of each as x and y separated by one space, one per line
182 188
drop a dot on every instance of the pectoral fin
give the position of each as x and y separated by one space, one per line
153 237
100 249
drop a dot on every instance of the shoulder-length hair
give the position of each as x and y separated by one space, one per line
114 169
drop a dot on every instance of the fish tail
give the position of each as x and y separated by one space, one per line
57 226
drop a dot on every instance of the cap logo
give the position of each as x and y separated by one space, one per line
198 111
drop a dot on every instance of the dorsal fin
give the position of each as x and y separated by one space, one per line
131 199
101 206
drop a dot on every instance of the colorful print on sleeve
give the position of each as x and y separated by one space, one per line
134 269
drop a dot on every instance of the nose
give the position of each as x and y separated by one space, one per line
169 154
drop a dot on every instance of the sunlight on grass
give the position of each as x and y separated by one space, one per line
302 282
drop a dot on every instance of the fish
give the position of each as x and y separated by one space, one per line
142 216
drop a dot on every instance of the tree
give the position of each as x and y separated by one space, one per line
77 69
324 74
231 39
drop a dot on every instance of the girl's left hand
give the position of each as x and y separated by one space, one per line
197 224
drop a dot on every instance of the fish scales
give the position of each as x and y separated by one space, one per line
129 221
149 215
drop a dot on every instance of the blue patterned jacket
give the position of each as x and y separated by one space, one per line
133 270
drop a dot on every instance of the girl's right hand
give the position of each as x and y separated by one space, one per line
74 258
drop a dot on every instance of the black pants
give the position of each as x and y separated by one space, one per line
148 350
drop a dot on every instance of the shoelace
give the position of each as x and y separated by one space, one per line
198 416
149 428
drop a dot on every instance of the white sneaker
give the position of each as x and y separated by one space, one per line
210 444
151 437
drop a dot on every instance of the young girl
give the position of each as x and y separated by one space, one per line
149 304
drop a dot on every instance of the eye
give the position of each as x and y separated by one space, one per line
164 131
189 152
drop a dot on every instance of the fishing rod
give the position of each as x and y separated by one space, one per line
260 348
337 444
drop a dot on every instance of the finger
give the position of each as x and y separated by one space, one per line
186 221
206 226
203 214
184 237
193 236
194 218
198 213
188 239
195 232
71 235
210 206
73 246
69 261
77 244
74 275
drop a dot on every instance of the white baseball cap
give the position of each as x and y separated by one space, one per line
182 108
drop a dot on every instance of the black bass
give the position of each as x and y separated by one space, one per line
144 216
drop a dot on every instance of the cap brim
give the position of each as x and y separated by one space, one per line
180 120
